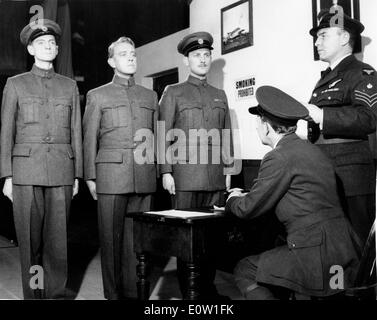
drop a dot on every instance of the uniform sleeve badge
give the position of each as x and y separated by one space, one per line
369 72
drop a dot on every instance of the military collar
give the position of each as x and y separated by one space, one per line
337 62
343 65
333 74
197 82
130 82
287 139
42 72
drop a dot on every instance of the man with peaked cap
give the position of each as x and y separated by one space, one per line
118 116
187 108
343 111
297 181
41 161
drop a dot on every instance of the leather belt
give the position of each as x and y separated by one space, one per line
43 140
322 140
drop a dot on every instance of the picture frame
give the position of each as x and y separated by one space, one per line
350 7
237 26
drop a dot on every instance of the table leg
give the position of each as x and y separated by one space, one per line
193 276
142 273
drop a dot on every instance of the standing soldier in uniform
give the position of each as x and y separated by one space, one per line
41 161
196 105
115 115
342 108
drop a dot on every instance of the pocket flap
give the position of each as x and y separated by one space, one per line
109 157
62 102
188 106
304 240
331 97
21 151
30 100
219 104
146 105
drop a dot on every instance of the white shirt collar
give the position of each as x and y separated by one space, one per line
276 143
336 62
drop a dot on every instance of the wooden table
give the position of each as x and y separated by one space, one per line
189 239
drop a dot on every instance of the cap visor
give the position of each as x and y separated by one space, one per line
255 110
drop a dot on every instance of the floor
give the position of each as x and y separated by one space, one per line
86 281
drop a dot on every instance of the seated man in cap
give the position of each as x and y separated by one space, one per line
192 106
41 161
297 181
343 111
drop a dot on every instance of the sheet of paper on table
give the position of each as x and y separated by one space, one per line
182 214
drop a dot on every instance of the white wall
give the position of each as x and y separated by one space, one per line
282 54
159 56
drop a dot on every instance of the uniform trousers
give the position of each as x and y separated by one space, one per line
245 275
41 217
359 208
118 259
207 267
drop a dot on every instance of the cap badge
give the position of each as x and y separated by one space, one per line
43 28
200 41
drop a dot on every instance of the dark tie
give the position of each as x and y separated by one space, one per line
325 72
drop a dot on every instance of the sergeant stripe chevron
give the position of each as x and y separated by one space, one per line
370 100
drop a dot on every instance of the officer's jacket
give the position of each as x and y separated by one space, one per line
298 182
119 133
348 97
196 161
41 141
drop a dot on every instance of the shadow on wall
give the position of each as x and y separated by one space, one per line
365 41
216 78
216 74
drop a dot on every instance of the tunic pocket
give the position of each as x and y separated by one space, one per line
307 263
146 115
64 111
30 109
21 151
191 116
219 110
115 116
331 98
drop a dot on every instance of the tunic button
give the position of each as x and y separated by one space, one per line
315 95
293 245
48 149
310 130
329 98
47 116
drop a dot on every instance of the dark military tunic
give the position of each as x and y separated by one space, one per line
119 154
348 97
297 181
41 149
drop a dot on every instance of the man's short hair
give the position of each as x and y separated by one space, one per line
278 127
353 37
120 40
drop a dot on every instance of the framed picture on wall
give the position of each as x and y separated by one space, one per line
350 8
236 26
